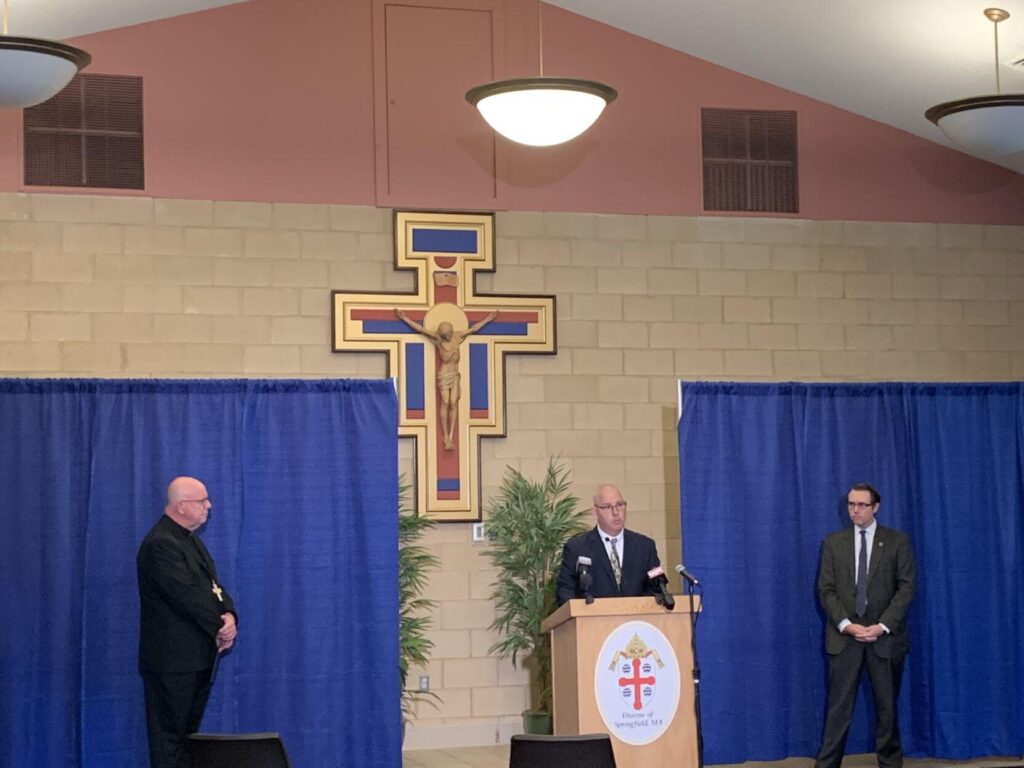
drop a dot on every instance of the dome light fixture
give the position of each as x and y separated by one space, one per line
541 111
984 125
34 70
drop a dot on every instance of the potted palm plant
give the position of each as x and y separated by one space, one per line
414 566
528 523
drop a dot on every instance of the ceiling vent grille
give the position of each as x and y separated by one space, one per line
88 135
750 160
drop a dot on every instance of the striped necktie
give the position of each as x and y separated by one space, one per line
616 563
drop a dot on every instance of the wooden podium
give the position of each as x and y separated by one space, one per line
612 672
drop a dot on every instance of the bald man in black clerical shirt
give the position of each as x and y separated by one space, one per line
187 619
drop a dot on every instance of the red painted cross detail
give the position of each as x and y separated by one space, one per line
636 681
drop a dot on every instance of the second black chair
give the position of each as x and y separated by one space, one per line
586 751
237 750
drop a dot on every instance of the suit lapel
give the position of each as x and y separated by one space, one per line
599 552
878 550
201 556
849 559
190 545
627 549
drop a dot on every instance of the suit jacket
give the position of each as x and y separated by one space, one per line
639 555
892 578
180 614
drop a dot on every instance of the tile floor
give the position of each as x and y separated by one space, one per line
497 757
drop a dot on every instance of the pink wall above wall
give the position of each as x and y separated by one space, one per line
644 154
265 100
275 100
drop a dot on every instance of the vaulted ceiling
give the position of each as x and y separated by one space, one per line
888 61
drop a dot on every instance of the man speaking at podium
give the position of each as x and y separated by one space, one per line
617 560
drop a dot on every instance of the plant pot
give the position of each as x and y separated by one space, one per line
537 723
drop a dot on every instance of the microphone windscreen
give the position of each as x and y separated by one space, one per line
681 570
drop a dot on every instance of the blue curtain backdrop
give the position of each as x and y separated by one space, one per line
763 471
303 479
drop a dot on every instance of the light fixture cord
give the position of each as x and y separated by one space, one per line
540 35
995 30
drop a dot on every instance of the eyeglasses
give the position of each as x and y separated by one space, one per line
196 501
618 506
859 504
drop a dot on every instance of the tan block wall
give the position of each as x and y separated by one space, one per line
134 287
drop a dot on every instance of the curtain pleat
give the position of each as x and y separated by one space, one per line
303 480
763 472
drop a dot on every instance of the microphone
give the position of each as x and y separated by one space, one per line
681 570
586 580
660 580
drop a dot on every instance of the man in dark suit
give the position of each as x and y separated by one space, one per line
620 559
866 580
187 619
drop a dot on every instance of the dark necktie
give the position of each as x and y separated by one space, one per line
862 574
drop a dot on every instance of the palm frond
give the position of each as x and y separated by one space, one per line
414 565
528 523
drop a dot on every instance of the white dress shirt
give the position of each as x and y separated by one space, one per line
619 541
870 541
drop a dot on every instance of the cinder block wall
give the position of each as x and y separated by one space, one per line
137 287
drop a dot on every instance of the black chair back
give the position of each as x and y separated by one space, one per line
585 751
237 750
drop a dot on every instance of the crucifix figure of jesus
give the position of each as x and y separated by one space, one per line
447 342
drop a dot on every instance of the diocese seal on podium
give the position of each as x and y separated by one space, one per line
636 683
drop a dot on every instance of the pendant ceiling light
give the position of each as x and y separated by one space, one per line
34 70
541 111
984 125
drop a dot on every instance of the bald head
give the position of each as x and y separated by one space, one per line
609 509
187 502
183 487
604 490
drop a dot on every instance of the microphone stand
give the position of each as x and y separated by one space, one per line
586 584
696 676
